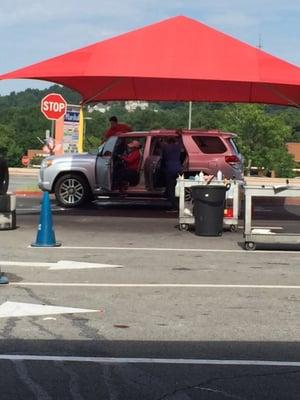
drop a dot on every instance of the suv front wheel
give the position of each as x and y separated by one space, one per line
72 190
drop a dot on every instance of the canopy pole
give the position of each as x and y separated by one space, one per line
80 130
190 116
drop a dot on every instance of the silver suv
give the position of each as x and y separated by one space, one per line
76 178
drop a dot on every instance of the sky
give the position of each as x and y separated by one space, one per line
35 30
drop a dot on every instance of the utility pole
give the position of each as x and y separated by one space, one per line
260 46
190 116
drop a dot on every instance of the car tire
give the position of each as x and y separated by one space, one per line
4 177
250 246
72 190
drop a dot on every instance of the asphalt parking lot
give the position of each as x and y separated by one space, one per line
146 311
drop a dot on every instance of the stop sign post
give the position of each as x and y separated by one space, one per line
53 106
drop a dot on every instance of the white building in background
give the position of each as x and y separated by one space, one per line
129 105
133 105
101 107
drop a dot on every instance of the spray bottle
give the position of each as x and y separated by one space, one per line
201 177
219 176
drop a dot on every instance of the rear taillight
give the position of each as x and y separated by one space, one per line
228 213
232 160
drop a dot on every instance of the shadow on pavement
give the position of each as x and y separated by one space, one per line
101 347
124 208
149 381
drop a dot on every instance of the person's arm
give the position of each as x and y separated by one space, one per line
132 157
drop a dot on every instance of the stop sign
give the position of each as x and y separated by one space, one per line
53 106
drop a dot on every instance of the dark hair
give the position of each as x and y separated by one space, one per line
171 140
113 119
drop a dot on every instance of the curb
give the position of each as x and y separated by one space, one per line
27 193
253 180
24 171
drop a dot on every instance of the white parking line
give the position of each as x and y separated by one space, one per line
181 361
154 285
265 227
176 250
37 208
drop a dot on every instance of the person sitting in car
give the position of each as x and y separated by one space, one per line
129 173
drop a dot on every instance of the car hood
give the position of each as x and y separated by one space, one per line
73 157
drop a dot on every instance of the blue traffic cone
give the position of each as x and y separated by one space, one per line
3 279
45 235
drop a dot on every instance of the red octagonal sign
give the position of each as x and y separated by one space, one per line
53 106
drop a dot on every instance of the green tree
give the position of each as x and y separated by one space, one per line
9 148
95 125
33 97
263 130
291 116
262 137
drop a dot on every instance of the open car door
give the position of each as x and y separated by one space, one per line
152 166
152 170
104 164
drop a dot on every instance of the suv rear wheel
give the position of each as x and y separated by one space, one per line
4 177
72 190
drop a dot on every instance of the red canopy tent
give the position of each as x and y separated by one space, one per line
178 59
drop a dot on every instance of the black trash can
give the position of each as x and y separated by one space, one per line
209 202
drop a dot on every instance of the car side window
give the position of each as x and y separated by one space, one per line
157 145
108 147
120 147
156 148
100 149
210 144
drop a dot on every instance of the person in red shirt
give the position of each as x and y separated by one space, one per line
129 174
116 128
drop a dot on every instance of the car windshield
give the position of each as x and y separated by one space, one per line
234 145
100 148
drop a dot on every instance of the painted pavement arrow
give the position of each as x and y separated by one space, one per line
14 309
60 265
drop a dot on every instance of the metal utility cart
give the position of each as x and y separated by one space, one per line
263 235
7 212
232 206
